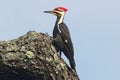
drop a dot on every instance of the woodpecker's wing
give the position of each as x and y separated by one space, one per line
65 34
68 46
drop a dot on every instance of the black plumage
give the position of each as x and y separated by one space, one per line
63 42
61 36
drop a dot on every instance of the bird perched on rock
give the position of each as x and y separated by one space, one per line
62 39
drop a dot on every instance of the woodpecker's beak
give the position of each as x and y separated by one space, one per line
52 11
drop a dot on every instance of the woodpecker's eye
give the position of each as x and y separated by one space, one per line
58 10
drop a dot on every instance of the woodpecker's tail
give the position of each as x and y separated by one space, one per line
70 57
72 63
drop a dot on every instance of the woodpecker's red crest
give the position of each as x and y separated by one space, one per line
61 8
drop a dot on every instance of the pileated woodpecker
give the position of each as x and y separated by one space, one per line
62 40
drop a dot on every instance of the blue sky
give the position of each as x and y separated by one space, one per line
94 27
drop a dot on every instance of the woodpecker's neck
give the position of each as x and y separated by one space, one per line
60 18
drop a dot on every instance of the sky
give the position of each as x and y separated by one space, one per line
94 26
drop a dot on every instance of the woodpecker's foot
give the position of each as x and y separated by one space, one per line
60 53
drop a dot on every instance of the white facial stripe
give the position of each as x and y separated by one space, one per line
60 20
62 13
59 28
62 17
